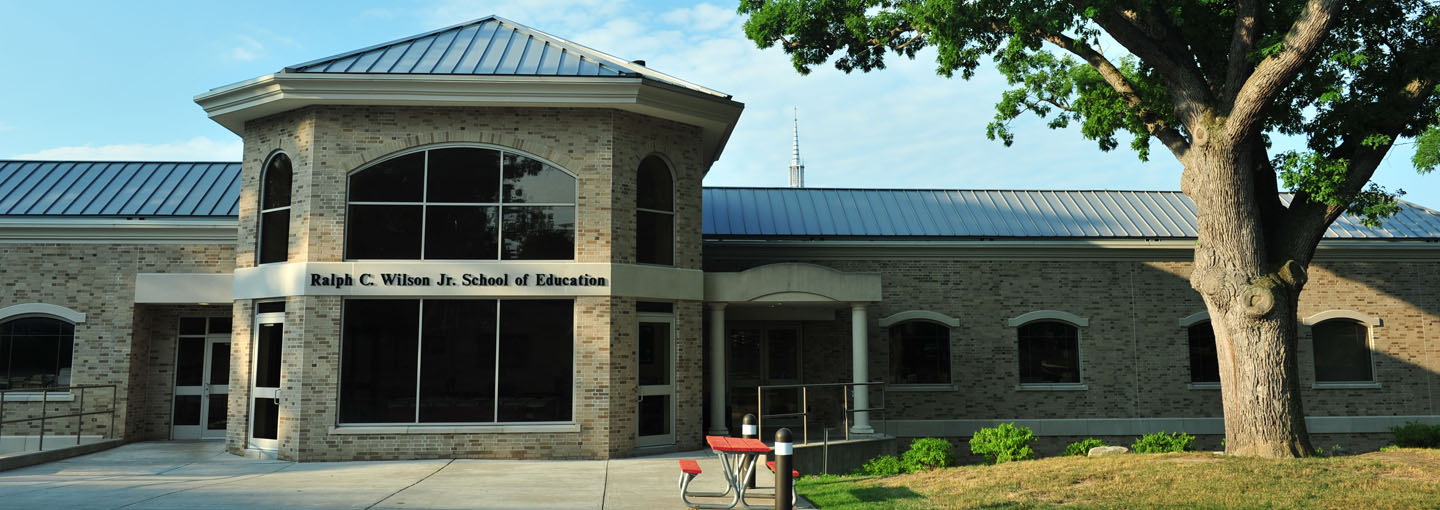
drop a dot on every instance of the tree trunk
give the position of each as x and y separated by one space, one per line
1251 297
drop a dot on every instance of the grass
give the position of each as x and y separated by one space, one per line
1405 478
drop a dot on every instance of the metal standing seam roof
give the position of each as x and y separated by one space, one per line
489 46
810 213
119 189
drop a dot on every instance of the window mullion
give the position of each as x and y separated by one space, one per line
424 210
419 355
495 407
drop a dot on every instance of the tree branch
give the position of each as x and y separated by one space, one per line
1242 42
1157 126
1188 89
1272 74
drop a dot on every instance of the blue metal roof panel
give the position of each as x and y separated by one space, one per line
118 188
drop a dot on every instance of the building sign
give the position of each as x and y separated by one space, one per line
343 280
466 279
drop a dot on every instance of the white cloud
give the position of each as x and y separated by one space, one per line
702 17
199 148
248 49
6 126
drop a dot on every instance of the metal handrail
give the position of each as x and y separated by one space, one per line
79 390
846 391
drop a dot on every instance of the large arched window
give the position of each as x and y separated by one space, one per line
1342 351
920 353
654 213
274 232
35 352
1204 362
461 203
1049 352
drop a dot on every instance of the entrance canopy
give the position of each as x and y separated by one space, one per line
792 283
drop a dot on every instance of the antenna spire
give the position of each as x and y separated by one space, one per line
797 169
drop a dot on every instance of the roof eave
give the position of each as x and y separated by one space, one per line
233 105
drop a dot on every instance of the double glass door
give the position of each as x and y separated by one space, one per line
202 378
764 354
656 361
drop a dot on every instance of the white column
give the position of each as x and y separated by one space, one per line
718 420
860 357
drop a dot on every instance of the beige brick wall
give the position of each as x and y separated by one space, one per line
115 345
602 147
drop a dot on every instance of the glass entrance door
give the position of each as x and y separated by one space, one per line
202 378
764 354
265 378
656 362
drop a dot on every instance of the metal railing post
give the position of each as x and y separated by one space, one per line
44 397
110 434
760 407
80 417
805 414
845 408
2 415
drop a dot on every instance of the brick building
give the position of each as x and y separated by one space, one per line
485 241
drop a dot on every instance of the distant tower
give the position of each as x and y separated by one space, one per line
797 169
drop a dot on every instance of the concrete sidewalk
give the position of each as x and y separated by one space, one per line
200 475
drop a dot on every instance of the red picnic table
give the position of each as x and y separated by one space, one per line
737 461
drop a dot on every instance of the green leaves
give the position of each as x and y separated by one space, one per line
1427 150
1323 180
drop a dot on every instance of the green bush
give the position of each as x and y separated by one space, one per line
884 465
1414 434
1389 448
928 453
1083 447
1003 443
1161 442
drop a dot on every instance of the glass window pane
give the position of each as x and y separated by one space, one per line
268 345
654 238
1342 352
383 232
187 409
530 181
536 342
219 325
190 362
464 175
1049 353
745 355
4 357
457 367
399 179
192 326
539 233
920 353
1204 363
654 415
220 363
653 189
276 191
377 361
215 416
784 356
267 418
274 236
270 307
35 358
654 353
461 232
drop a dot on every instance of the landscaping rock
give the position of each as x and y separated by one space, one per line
1106 451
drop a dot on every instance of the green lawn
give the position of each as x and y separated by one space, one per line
1406 478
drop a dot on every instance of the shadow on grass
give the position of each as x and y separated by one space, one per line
880 494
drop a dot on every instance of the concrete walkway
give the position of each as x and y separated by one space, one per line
200 475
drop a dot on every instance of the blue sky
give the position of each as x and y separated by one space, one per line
113 80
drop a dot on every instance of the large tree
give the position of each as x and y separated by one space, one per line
1212 81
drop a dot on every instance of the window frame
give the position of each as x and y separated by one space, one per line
425 204
53 312
950 323
949 383
1366 321
1186 323
497 426
261 211
672 213
1075 321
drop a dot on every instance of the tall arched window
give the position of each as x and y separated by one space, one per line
461 203
35 352
1049 353
920 353
1342 351
1204 363
654 213
274 232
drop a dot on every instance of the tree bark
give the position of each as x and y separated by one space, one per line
1252 300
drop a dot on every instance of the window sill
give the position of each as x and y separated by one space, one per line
1052 387
1203 386
35 396
919 387
1345 386
455 429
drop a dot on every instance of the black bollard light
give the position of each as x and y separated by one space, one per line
749 430
784 477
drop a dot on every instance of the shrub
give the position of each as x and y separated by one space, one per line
1003 443
928 453
1414 434
1160 442
1389 448
884 465
1083 447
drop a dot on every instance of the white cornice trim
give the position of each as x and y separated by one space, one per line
1194 318
233 105
1369 320
924 315
1041 249
33 309
118 230
1040 315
